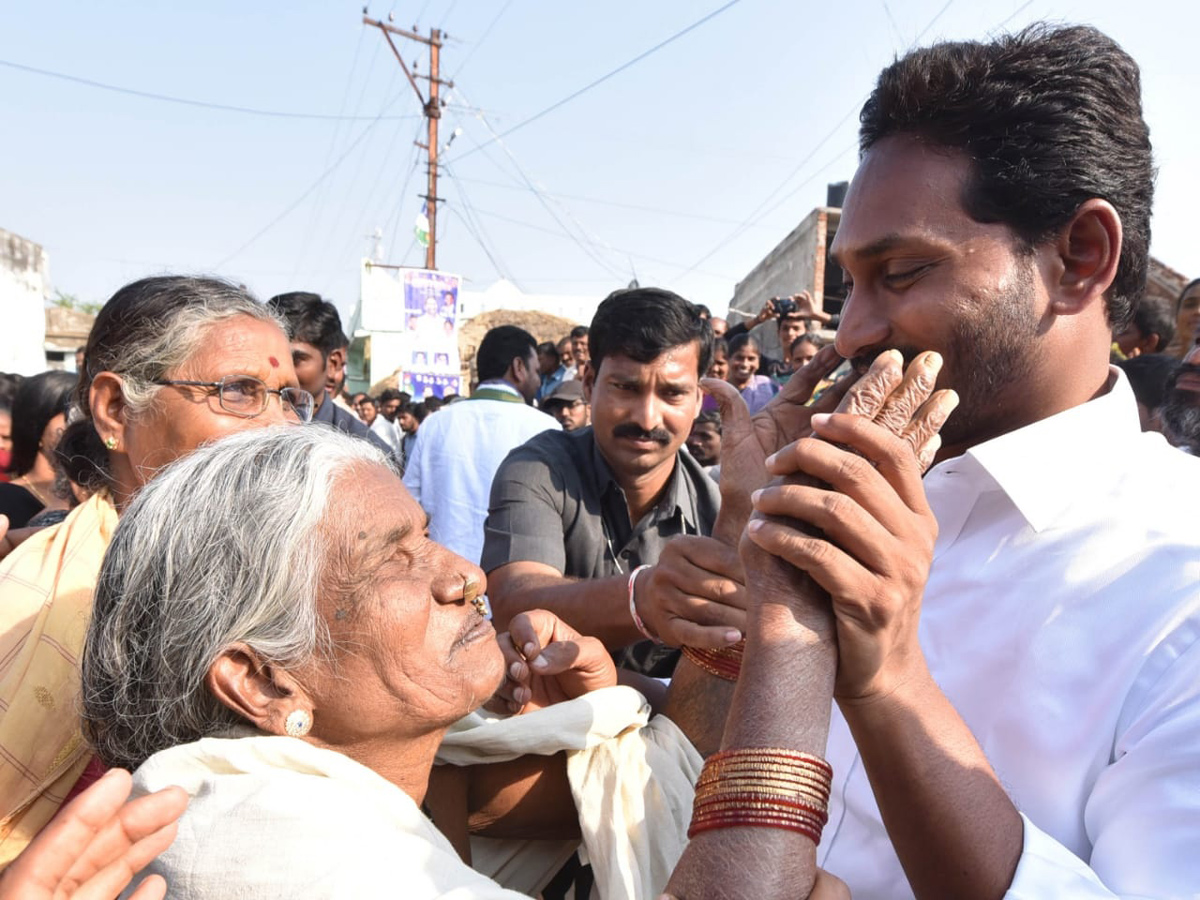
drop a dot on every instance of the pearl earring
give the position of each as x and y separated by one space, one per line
298 723
110 442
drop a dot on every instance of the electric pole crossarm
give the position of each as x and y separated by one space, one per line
399 58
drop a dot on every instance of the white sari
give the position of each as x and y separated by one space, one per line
277 817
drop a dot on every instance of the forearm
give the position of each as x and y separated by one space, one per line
955 830
699 704
782 699
527 798
596 607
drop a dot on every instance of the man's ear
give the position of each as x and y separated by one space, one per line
588 379
106 399
1088 251
261 693
335 362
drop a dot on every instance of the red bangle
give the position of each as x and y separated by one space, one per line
725 663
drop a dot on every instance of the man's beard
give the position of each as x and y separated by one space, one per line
1180 415
990 349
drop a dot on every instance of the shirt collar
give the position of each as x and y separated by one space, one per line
675 498
1046 466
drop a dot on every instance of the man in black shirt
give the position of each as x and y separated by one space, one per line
608 526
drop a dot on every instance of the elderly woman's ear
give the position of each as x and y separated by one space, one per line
262 694
107 403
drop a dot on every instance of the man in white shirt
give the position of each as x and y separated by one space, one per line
457 452
1028 725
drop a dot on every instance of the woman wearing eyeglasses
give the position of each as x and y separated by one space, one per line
171 363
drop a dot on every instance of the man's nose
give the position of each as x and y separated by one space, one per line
864 324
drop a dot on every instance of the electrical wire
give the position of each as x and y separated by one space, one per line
473 219
614 203
662 262
750 219
312 187
479 43
603 78
149 95
540 195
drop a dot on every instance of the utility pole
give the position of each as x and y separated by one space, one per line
433 112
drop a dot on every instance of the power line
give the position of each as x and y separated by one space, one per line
603 78
479 43
662 262
750 219
533 189
312 187
614 203
149 95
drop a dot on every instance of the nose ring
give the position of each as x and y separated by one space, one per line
471 595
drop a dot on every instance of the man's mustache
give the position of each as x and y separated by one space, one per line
629 430
863 361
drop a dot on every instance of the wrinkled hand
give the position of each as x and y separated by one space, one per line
95 846
851 514
747 441
546 662
695 595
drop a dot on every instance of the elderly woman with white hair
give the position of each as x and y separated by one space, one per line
274 631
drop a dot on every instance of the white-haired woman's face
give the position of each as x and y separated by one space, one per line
412 654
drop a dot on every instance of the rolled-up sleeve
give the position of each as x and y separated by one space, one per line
525 514
1143 814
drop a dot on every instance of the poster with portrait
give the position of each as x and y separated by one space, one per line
427 384
431 325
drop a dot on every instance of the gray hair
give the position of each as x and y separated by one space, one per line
146 330
224 547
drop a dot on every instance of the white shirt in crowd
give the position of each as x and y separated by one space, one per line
455 457
1062 620
388 432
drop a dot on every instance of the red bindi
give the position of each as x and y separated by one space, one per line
274 362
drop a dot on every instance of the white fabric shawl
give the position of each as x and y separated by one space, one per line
274 817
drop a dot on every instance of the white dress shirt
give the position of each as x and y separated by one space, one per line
388 432
1062 621
455 457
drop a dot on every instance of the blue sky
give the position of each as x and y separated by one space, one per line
683 170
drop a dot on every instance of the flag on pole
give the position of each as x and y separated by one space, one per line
421 226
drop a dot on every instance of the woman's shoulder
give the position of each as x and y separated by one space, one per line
337 829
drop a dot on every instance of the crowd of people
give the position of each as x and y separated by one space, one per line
911 611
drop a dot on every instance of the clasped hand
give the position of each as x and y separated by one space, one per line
546 661
848 509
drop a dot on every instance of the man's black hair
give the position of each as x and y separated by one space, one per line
499 348
1187 287
430 405
1150 375
310 320
709 417
643 323
1049 118
389 394
804 339
579 331
548 348
1156 315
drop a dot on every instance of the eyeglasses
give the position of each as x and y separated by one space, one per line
247 396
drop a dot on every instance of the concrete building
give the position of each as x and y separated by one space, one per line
24 287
